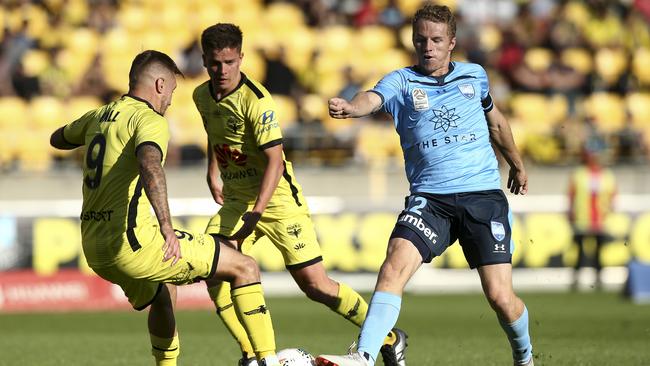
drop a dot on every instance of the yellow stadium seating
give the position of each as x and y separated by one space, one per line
638 105
640 64
532 110
607 109
610 63
578 58
287 110
46 113
538 59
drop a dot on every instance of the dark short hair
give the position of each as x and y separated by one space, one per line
220 36
143 60
437 14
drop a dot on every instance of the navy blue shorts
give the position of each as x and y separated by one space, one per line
481 221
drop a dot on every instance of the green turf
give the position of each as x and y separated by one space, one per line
567 329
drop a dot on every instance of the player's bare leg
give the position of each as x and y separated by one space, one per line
162 327
402 260
496 280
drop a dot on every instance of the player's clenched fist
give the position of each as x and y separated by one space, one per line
339 108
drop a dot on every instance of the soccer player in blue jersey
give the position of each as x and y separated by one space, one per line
446 121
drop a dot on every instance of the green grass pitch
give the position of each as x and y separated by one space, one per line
567 329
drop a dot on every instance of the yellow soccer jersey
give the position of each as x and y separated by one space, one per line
239 127
114 203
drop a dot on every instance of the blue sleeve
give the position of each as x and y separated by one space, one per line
389 88
486 99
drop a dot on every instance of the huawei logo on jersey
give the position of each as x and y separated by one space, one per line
225 154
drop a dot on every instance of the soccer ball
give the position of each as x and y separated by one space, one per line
296 357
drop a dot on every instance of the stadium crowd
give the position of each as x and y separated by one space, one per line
568 74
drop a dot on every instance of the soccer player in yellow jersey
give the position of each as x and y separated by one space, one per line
126 144
258 192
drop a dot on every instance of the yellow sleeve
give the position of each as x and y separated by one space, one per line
75 133
152 129
264 117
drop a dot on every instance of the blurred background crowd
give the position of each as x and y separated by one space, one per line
570 75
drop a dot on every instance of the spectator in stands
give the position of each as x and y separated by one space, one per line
592 189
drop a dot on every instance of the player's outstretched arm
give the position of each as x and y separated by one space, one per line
501 136
363 104
58 141
155 186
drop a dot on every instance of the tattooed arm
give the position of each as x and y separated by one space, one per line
155 186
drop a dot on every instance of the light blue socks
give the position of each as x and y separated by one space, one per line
519 338
382 316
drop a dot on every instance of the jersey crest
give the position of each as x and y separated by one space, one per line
467 90
225 154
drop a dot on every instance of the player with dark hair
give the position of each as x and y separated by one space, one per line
446 121
126 144
258 192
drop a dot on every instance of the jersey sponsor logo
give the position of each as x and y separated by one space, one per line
294 229
226 154
445 118
420 99
498 230
268 117
239 174
234 124
419 224
499 248
428 144
104 215
467 90
299 246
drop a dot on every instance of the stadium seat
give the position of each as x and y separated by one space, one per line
287 110
607 109
538 59
578 58
531 109
610 63
638 105
78 106
46 113
640 64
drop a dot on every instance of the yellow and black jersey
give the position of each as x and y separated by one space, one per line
239 127
114 203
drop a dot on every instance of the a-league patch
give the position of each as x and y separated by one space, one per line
467 90
420 99
498 230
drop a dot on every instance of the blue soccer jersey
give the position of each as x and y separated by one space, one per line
442 127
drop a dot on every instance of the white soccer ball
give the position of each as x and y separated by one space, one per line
296 357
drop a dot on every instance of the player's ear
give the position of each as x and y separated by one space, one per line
452 44
160 85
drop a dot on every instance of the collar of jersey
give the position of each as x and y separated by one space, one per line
241 82
141 100
439 79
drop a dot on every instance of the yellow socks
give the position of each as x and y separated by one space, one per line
351 305
165 350
255 317
221 297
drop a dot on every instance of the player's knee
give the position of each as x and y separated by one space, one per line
500 300
248 270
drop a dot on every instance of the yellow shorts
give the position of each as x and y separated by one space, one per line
141 274
293 235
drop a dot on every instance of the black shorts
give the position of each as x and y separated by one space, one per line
481 221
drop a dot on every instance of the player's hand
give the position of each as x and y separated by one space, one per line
517 181
172 246
250 220
339 108
217 195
